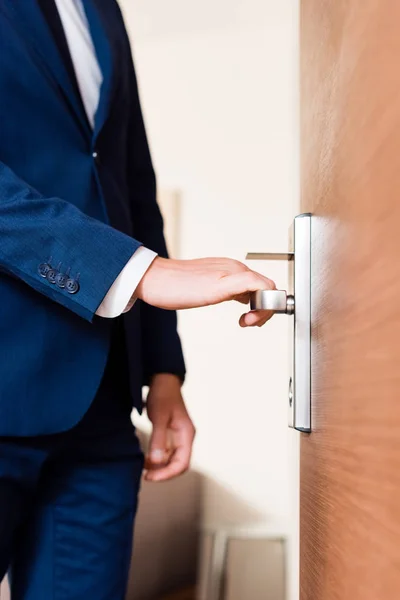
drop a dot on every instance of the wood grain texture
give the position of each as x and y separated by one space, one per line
350 137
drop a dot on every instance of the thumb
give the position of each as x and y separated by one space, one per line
159 442
240 284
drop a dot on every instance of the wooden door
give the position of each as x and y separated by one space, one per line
350 163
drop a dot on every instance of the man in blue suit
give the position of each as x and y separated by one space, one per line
87 311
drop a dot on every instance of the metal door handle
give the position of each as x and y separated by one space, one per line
276 300
297 302
270 256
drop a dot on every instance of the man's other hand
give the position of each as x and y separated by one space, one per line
177 284
173 433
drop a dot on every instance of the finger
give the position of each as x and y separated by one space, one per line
243 298
255 318
159 460
158 447
177 465
262 322
240 284
179 461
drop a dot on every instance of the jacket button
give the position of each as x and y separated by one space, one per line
51 276
72 286
96 157
43 269
61 280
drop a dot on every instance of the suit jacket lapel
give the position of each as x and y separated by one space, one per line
27 16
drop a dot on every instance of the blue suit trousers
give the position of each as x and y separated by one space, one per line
67 505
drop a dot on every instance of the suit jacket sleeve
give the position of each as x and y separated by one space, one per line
162 351
35 230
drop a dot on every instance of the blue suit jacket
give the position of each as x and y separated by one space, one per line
79 200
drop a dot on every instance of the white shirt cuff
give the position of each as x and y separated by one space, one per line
121 296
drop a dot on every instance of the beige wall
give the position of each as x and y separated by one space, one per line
218 84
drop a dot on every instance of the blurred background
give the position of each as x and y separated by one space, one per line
218 85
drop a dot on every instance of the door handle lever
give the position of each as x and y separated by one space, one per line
270 256
276 300
297 302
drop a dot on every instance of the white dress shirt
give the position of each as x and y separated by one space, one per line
120 296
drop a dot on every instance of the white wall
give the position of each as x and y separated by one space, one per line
218 83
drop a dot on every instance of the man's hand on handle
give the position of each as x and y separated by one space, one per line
178 284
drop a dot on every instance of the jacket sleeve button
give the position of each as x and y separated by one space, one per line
72 286
51 276
61 280
43 269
